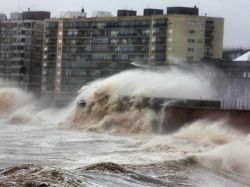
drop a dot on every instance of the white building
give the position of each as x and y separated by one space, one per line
244 57
101 14
16 16
73 14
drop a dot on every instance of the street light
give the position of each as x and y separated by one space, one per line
22 71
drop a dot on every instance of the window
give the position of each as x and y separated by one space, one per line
190 58
199 50
199 41
191 31
113 33
200 24
191 40
244 75
190 49
192 23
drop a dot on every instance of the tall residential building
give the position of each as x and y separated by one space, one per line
77 51
3 17
192 37
21 51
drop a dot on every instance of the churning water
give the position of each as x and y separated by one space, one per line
106 137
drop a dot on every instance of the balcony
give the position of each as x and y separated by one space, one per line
210 27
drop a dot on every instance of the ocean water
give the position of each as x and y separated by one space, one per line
111 140
138 160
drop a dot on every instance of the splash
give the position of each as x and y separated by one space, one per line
11 99
230 159
33 113
218 147
18 106
208 133
122 102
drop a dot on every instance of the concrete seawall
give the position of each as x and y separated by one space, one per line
176 117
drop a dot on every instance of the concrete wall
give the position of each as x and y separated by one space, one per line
177 117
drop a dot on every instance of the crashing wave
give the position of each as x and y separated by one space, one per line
124 102
122 114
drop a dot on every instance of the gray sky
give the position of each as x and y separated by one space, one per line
235 12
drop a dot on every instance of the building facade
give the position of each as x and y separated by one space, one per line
3 17
232 83
16 16
77 51
21 52
194 38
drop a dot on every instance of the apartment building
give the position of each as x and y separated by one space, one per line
193 38
21 50
79 50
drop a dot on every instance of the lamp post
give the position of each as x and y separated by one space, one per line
22 71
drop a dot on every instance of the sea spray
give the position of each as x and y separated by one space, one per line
230 159
11 99
168 83
18 106
223 149
208 132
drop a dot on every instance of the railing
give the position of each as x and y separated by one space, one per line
235 105
229 104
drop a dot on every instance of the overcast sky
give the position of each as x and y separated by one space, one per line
235 12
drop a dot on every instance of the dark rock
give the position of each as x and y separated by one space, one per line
106 166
